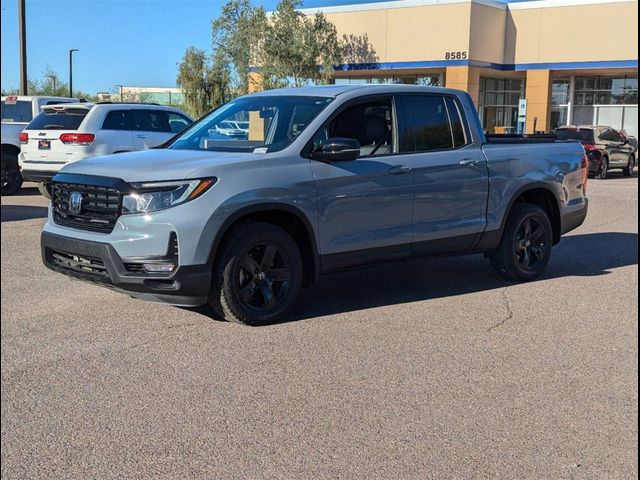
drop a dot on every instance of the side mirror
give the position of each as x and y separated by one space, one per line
337 149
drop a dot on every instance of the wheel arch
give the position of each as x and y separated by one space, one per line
285 216
541 195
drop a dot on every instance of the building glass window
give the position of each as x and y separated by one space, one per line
560 101
607 100
499 103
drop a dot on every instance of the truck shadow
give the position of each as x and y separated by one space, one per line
15 213
577 255
404 282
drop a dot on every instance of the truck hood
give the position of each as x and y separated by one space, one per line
157 164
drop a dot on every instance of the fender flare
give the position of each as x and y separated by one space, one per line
267 207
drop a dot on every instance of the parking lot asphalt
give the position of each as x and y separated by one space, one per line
432 369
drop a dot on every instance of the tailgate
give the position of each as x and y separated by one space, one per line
43 144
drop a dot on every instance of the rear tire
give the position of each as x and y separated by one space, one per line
11 178
45 190
604 169
525 248
258 275
628 170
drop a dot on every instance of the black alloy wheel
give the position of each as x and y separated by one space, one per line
10 174
525 247
604 169
530 247
264 276
628 170
257 274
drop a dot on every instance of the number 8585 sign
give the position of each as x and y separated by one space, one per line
455 56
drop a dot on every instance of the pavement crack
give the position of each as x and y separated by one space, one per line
508 308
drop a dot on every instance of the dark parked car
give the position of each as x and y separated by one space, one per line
605 147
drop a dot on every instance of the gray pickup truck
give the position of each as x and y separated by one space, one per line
320 179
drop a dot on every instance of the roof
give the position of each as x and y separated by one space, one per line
335 90
311 7
31 97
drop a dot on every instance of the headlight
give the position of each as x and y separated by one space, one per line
154 196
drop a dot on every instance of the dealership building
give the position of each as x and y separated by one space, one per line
574 61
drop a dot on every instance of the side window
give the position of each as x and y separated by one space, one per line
427 124
369 123
149 121
460 135
117 120
177 122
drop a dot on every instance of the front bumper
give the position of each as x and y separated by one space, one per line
99 263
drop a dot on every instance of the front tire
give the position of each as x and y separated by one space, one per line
45 190
11 178
628 170
258 275
525 248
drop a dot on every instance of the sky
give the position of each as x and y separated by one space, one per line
128 42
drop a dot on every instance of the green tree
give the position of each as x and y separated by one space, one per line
237 36
51 84
286 47
204 80
298 49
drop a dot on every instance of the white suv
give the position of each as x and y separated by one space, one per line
62 134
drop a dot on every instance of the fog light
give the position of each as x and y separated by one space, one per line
159 267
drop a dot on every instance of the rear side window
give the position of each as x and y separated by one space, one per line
426 124
150 121
16 111
117 120
457 127
58 120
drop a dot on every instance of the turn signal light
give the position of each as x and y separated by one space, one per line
77 138
24 137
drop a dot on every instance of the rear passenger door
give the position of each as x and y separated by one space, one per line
449 172
116 132
150 128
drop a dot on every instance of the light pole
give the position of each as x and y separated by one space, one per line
121 94
169 92
53 79
71 50
22 27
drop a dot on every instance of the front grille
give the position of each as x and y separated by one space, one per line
77 263
99 211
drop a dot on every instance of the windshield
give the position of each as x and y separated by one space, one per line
583 135
262 124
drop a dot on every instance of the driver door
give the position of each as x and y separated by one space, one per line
364 205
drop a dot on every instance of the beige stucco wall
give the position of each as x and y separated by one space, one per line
573 34
486 41
592 32
411 33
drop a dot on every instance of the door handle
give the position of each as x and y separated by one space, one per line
468 162
141 136
398 169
